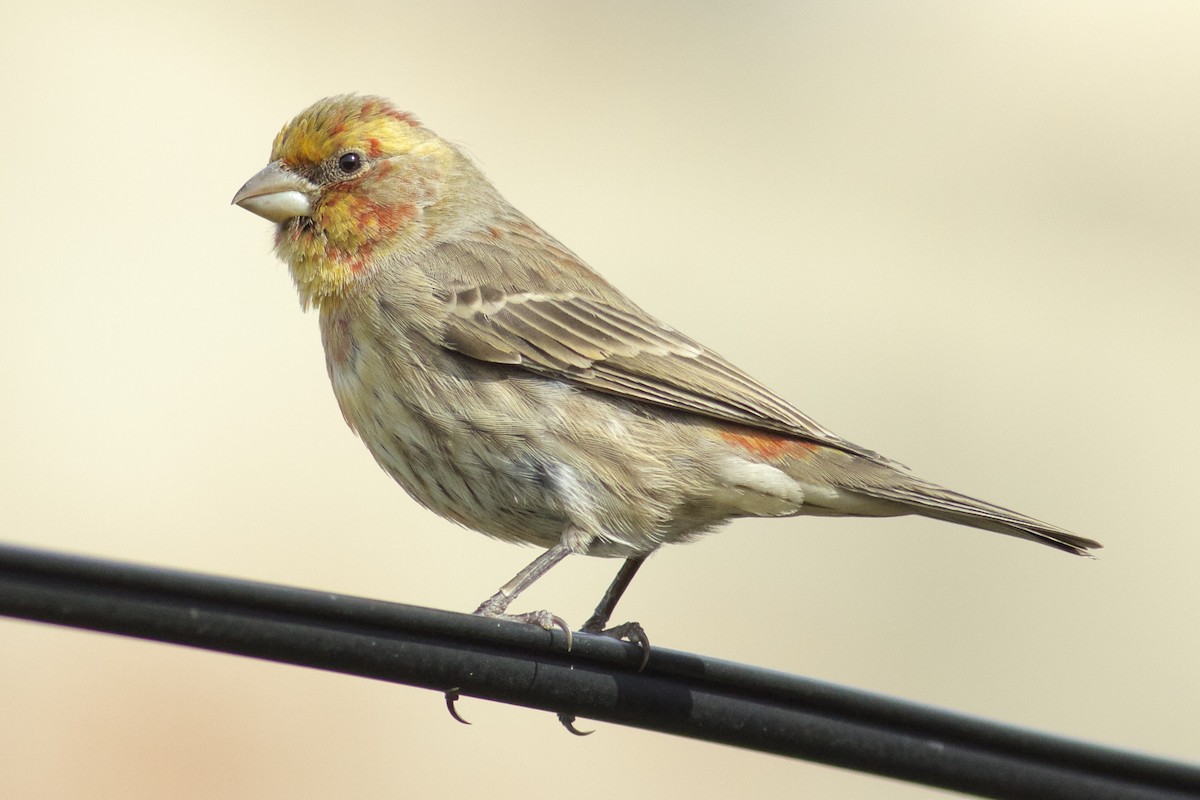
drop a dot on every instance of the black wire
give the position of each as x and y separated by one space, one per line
678 693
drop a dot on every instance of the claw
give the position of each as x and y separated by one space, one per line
568 722
451 699
565 628
631 632
543 619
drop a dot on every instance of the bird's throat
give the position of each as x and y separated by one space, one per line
323 271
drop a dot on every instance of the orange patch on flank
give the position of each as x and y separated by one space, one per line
767 445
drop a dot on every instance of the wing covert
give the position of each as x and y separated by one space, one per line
619 350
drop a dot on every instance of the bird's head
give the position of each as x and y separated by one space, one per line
352 180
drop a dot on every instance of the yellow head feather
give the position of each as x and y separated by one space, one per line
346 122
357 221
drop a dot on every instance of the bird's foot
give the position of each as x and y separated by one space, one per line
631 632
495 607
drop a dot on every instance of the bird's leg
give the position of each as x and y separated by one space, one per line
630 631
496 605
613 594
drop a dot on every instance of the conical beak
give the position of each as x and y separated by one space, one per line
276 193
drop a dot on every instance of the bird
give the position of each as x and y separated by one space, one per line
507 386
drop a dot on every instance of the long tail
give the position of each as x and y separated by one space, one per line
931 500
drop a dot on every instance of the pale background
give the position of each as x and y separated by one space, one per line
964 234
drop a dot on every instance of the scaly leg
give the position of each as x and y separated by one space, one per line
630 631
496 605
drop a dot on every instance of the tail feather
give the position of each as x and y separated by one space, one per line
931 500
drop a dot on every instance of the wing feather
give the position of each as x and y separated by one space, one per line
583 331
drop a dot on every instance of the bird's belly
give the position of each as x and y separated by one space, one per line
451 462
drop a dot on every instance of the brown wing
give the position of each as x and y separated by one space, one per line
621 350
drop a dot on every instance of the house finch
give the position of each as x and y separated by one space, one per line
508 387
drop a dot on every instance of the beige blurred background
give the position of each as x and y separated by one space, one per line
965 235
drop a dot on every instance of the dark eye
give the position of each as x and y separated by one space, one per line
349 163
